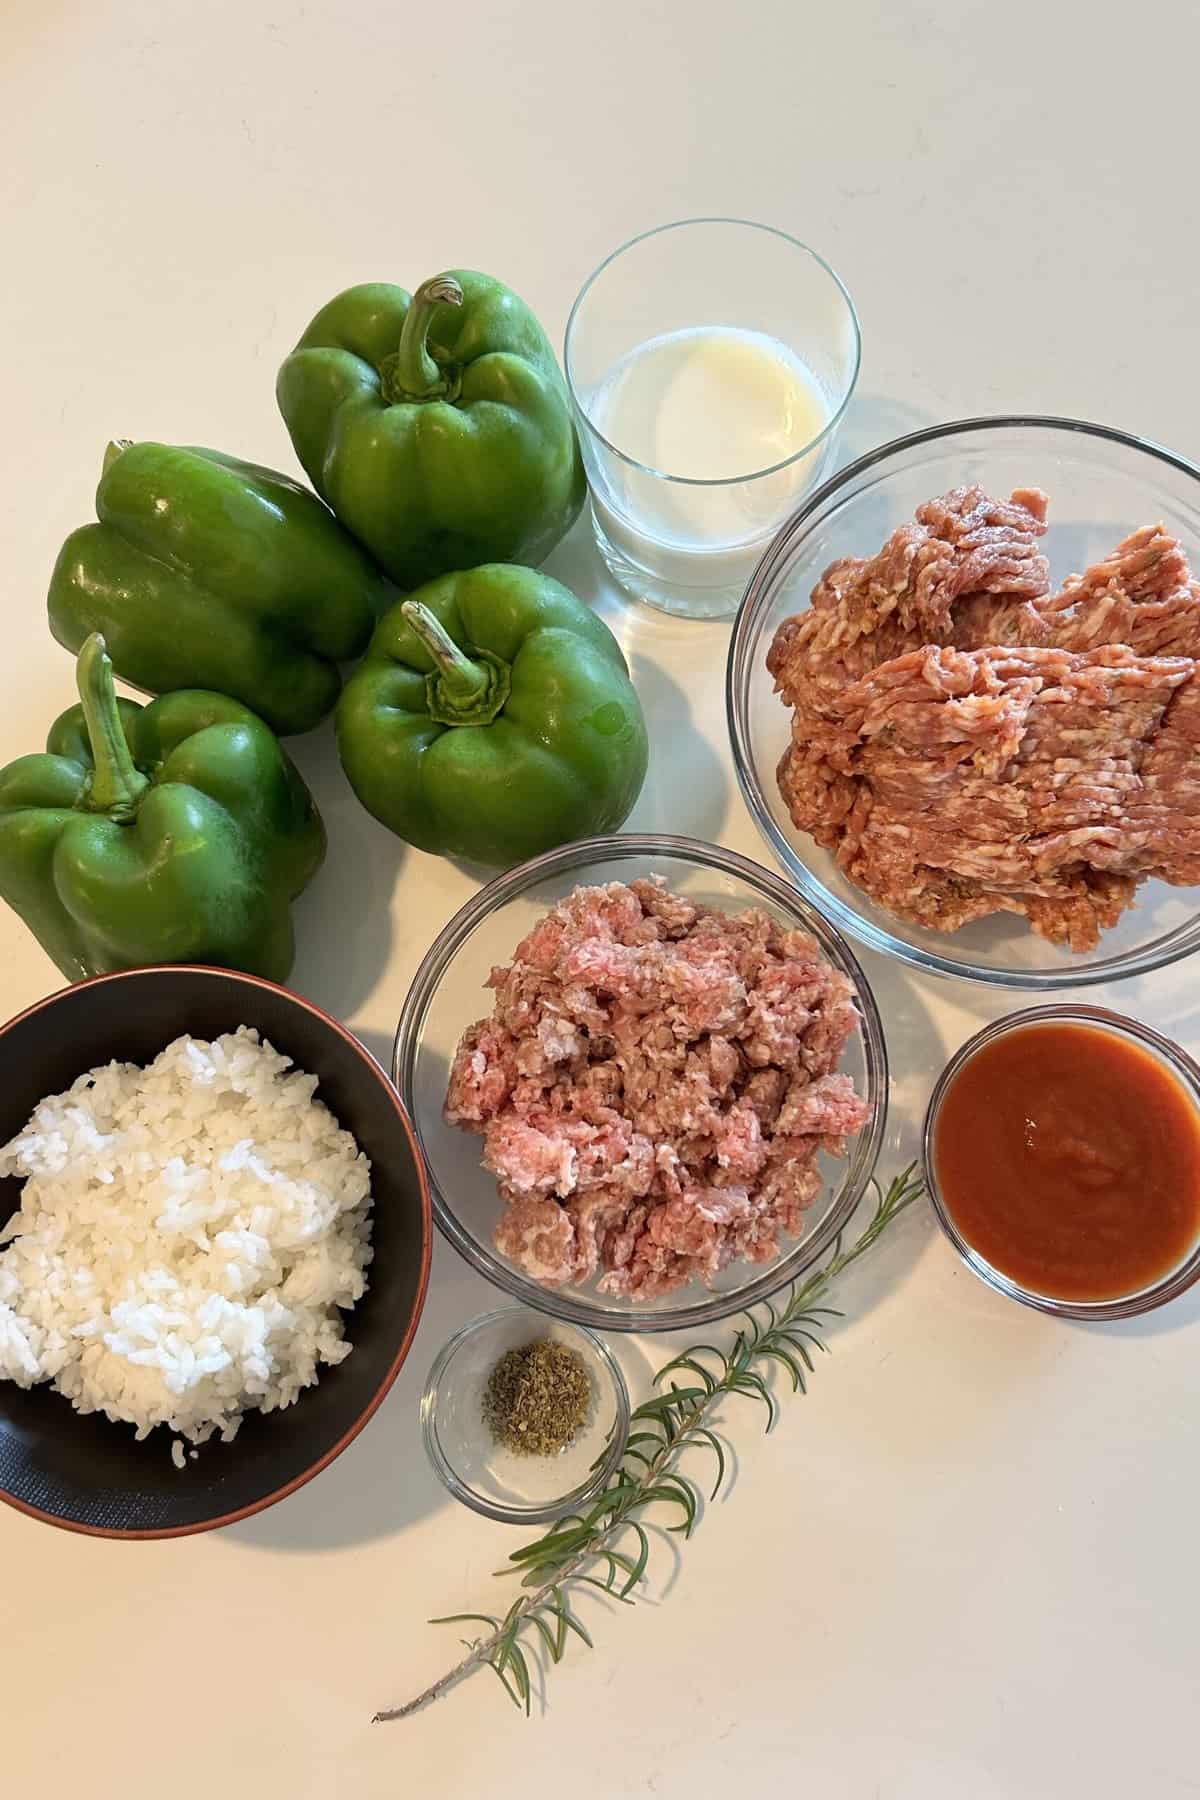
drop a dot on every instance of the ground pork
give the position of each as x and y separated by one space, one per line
865 611
653 1088
966 742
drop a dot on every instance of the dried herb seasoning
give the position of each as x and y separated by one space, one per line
537 1397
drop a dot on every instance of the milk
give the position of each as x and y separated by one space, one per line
711 404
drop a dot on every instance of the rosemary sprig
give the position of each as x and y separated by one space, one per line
608 1547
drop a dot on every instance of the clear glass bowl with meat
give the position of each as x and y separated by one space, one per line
963 694
649 1081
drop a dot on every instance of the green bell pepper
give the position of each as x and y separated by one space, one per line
493 718
437 428
206 572
175 832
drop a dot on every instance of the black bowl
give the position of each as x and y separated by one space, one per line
87 1474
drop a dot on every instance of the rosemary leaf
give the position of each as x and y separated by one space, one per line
553 1650
704 1436
780 1355
563 1609
638 1568
687 1361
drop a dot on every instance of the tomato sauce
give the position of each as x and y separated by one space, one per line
1069 1158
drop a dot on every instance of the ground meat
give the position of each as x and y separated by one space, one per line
864 613
966 742
654 1087
1143 595
1165 807
539 1235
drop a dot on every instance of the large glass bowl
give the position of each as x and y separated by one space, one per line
449 993
1102 484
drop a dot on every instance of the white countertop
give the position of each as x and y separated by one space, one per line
964 1565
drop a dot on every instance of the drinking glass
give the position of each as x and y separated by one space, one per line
709 362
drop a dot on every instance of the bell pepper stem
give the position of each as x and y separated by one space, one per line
413 374
117 785
462 679
112 451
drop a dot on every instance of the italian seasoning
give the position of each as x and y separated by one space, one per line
537 1397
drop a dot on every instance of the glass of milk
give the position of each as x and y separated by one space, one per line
710 363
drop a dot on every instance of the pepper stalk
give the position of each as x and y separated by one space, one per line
411 373
117 784
462 689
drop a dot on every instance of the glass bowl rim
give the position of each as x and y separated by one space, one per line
597 1478
1182 1066
864 1151
720 481
1163 950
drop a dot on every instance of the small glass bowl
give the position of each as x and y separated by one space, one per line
1102 483
449 993
483 1474
1175 1060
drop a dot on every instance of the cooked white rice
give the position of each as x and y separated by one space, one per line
186 1237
